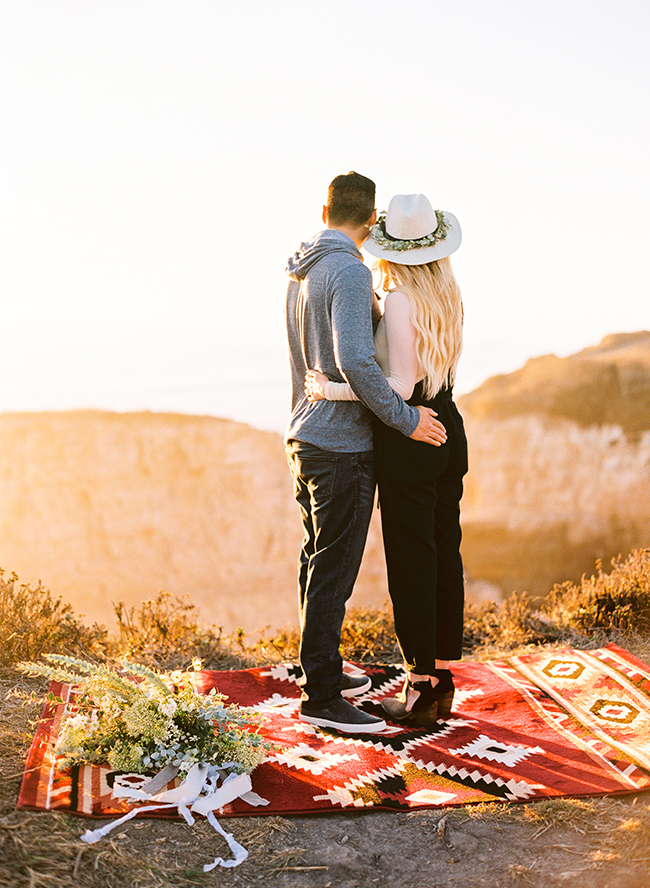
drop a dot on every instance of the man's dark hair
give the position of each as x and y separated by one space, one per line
350 199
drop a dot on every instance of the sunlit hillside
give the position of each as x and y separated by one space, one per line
109 506
559 465
106 506
605 385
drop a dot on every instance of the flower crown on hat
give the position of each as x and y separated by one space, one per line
379 235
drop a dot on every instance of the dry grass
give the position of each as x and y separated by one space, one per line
34 622
614 829
624 834
508 625
617 601
601 608
368 636
165 634
607 829
490 811
44 850
556 811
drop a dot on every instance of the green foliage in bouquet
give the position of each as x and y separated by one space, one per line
139 720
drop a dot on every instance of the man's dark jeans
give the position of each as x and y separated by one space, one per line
335 492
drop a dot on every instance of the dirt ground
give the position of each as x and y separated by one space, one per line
593 844
586 843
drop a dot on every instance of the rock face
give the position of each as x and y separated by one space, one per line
559 465
106 507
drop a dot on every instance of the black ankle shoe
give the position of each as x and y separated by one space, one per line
425 709
444 691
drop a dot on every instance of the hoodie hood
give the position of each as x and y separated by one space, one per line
322 244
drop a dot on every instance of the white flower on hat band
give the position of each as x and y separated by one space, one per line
377 233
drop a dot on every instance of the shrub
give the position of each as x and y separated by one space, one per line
367 636
508 625
604 602
599 608
34 622
165 633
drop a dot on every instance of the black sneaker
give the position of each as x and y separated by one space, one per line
341 716
354 685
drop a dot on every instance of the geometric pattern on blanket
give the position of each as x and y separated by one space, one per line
545 724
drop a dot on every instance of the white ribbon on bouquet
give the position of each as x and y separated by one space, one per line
206 789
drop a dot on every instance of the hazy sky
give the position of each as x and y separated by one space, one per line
161 159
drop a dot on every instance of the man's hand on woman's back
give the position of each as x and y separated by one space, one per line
429 429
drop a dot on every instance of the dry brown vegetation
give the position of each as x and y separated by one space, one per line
33 621
600 843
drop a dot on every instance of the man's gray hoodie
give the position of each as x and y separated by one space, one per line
330 312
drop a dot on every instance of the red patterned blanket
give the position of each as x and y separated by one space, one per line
546 724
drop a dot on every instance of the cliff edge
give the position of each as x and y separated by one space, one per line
108 506
559 465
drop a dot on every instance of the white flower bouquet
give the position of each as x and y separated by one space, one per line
141 721
138 720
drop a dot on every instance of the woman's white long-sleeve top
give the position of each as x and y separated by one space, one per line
395 351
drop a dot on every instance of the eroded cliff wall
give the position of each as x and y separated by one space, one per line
559 465
106 507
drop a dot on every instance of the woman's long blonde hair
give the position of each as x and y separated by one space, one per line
436 313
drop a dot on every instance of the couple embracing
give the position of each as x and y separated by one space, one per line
372 403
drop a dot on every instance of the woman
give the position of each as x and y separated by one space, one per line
418 343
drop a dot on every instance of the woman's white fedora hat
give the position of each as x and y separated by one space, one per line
413 233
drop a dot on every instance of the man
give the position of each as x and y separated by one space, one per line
330 313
